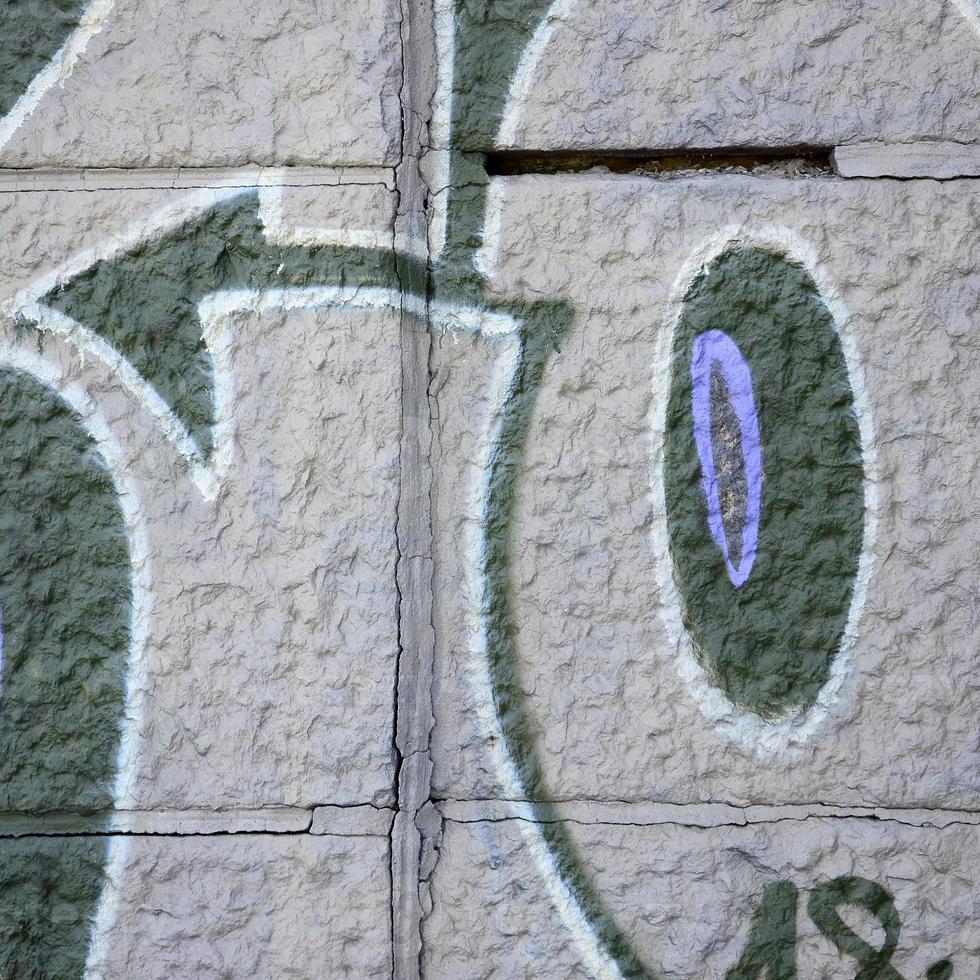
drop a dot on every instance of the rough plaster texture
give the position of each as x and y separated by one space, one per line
287 574
491 915
612 712
55 223
312 774
224 84
687 895
296 592
942 160
631 74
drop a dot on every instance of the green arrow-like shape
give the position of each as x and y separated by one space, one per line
144 302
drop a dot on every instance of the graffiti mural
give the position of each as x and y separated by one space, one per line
755 312
761 371
743 403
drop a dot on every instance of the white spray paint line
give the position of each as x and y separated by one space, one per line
527 69
788 733
488 254
107 911
454 320
57 69
166 219
215 309
446 316
207 476
21 357
521 84
970 9
90 344
272 216
219 340
594 956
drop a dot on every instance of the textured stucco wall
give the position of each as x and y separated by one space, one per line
367 606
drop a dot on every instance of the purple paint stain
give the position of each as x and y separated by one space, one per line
715 347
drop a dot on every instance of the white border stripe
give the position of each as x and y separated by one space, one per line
788 733
595 957
57 69
19 356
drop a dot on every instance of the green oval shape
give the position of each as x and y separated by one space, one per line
769 642
66 600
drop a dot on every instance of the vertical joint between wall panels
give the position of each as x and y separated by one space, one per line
413 719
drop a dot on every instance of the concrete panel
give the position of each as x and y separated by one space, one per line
55 223
628 74
262 648
408 571
152 83
615 702
688 900
942 160
490 910
255 906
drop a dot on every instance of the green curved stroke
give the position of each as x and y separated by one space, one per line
61 531
66 603
490 38
757 295
145 304
31 33
770 643
544 326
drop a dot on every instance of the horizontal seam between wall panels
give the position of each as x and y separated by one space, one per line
90 179
40 825
749 810
799 162
506 163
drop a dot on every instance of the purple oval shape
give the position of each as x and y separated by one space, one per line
715 347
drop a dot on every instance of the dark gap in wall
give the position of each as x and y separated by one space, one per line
784 160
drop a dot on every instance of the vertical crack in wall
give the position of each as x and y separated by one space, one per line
413 718
397 925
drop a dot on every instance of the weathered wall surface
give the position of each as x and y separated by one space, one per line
490 489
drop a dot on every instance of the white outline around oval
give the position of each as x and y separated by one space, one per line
793 729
